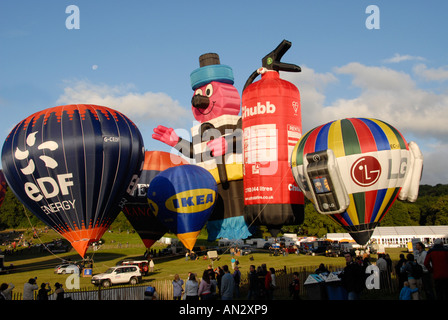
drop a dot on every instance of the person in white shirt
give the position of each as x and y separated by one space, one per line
29 288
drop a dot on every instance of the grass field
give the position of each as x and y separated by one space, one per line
118 246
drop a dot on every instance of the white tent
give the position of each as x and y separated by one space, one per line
400 236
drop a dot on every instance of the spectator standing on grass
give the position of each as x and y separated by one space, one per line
177 287
219 275
425 282
214 284
253 283
409 268
381 263
151 265
236 280
436 262
204 291
353 279
232 261
6 291
294 287
29 288
402 277
267 284
272 285
389 268
59 291
43 292
191 288
227 284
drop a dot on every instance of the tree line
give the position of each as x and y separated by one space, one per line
430 209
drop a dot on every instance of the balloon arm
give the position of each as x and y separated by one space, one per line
230 143
218 146
165 135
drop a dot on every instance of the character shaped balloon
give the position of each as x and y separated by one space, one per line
354 169
182 198
137 209
217 143
71 166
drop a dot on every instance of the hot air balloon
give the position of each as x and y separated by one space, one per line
272 125
71 166
183 198
136 209
3 187
216 144
353 170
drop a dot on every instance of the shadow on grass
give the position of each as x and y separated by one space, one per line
43 262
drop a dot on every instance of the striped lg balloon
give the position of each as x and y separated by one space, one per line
368 162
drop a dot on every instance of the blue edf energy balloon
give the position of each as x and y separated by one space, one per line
3 187
71 166
183 198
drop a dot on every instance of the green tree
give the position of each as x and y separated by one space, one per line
438 211
13 214
402 214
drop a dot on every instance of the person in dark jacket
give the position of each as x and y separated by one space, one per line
43 292
436 262
402 276
253 283
353 278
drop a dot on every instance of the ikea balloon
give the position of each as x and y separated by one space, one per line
136 209
353 170
3 187
183 198
71 166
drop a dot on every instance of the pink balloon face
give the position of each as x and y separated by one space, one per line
215 99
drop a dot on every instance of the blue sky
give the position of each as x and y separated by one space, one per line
136 56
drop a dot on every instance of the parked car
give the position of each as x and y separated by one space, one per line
142 264
118 275
246 249
66 268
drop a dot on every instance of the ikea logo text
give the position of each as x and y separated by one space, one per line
191 201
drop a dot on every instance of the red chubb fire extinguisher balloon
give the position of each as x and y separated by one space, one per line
272 125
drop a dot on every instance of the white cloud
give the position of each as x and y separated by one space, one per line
439 74
386 94
399 58
139 107
312 87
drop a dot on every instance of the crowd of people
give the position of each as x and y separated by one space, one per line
424 274
421 275
30 288
223 283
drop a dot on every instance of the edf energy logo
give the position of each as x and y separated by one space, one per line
191 201
44 187
366 171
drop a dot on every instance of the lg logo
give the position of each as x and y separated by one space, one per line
366 171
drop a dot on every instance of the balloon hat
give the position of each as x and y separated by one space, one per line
210 70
